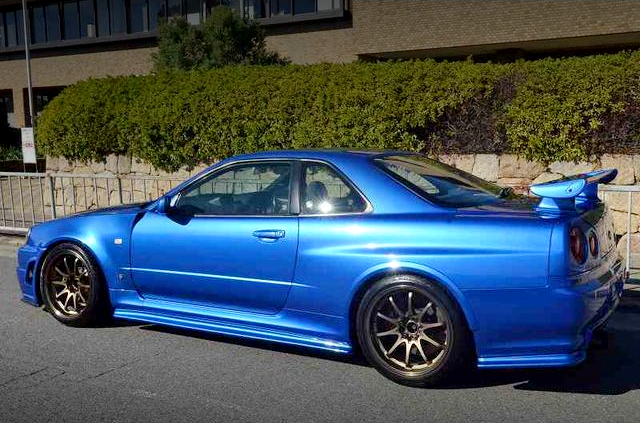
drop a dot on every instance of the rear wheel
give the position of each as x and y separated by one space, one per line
411 331
71 286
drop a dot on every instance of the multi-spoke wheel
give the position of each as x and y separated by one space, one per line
411 330
71 286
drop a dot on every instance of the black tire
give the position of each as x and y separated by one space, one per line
385 331
72 286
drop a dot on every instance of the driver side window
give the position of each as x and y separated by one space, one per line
258 189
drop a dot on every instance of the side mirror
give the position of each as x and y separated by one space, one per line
164 204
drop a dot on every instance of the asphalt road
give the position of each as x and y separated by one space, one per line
131 372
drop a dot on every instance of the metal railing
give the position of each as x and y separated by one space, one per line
27 199
606 191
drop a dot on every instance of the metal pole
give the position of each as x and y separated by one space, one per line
629 232
27 40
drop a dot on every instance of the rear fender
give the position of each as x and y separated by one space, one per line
402 267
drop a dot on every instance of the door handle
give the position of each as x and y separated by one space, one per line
269 234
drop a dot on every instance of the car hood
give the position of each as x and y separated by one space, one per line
122 209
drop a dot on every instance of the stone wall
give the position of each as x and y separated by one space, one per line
505 170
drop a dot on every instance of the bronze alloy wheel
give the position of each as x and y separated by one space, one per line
412 331
410 328
71 285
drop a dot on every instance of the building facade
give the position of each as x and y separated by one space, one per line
72 40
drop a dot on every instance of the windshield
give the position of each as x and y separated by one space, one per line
441 184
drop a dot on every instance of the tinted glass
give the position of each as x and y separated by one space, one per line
325 192
304 6
10 22
255 9
3 40
324 5
87 19
118 16
157 12
192 10
102 7
71 20
175 8
138 16
20 27
38 28
255 190
281 7
52 13
442 184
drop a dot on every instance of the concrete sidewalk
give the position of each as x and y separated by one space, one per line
9 245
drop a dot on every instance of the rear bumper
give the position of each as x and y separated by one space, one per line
556 329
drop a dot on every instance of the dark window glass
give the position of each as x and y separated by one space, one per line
20 27
325 192
10 20
102 7
255 9
304 6
41 97
118 17
71 20
192 10
6 101
439 183
138 16
281 7
255 190
3 39
52 16
175 8
87 19
38 28
157 12
324 5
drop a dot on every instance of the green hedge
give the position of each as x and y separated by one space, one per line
551 109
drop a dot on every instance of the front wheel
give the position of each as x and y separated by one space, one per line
411 331
71 286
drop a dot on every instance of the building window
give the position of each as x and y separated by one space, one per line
139 18
7 118
71 20
41 97
175 8
304 6
52 18
192 10
87 19
157 12
118 14
55 20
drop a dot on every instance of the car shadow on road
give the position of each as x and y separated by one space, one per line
259 344
611 369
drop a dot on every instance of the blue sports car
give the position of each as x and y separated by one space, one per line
420 266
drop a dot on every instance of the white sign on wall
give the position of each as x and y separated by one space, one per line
28 146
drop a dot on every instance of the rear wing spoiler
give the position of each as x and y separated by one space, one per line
573 192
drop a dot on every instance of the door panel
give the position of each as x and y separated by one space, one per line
229 241
216 261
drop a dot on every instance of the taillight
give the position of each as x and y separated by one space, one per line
593 244
577 245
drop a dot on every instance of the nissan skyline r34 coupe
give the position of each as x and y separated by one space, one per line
420 266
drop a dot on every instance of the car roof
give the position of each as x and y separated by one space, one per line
318 154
